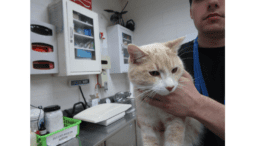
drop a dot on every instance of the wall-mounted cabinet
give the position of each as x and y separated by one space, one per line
77 31
43 48
118 38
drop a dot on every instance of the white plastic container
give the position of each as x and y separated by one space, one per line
34 118
53 118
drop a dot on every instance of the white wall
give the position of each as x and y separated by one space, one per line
160 20
48 89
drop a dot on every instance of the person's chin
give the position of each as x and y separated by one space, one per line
214 29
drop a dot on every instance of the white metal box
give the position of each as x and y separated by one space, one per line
118 37
105 62
78 38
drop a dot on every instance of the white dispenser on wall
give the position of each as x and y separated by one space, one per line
106 64
77 31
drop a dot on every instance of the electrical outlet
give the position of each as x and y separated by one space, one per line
78 82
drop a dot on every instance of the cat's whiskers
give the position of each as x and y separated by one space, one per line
137 79
148 97
152 94
146 87
144 95
157 89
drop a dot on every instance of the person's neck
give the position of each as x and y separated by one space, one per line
211 40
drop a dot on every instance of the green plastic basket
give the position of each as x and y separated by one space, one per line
68 123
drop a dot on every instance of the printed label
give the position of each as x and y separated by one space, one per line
62 136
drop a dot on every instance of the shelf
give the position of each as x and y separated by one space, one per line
86 36
83 48
126 39
84 58
80 22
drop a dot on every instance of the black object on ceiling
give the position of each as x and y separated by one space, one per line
116 18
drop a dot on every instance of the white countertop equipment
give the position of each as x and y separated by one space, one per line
103 114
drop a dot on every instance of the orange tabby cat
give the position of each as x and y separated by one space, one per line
156 69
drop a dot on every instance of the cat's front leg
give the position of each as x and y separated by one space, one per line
174 132
150 137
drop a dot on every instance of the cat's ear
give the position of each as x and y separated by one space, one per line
175 44
136 54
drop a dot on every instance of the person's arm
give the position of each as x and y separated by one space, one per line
211 114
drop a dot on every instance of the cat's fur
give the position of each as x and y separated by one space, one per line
159 128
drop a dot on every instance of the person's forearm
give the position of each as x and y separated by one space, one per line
211 114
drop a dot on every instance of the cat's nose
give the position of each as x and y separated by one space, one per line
169 88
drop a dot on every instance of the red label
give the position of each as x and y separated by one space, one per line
84 3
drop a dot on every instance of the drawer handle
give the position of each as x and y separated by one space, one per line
71 34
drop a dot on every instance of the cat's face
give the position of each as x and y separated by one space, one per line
155 67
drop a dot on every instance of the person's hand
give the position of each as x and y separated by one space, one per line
181 101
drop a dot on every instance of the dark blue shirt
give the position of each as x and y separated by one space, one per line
212 62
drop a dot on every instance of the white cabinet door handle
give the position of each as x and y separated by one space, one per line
71 34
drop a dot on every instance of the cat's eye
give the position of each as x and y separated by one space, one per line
154 73
174 70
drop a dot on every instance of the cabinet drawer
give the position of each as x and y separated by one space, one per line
125 137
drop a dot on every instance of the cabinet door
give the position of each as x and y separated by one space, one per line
84 50
126 38
125 137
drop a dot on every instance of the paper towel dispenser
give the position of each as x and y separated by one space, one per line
105 62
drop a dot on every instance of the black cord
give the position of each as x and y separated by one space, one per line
125 6
38 120
86 104
34 106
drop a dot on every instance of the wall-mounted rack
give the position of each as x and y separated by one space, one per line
43 48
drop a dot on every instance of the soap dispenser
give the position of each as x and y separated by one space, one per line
105 62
